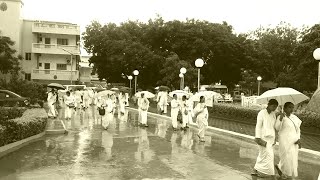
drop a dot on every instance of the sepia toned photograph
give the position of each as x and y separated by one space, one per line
159 90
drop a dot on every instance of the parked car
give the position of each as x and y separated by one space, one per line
10 99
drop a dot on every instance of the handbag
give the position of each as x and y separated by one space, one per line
102 111
179 118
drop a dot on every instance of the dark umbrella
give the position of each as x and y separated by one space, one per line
125 89
99 89
164 88
56 86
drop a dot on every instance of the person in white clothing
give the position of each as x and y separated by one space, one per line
190 112
122 100
139 109
184 111
163 101
86 98
69 105
78 99
144 105
52 99
201 113
265 138
175 107
288 126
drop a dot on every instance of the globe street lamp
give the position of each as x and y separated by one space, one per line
135 73
199 63
130 79
259 78
182 71
316 55
181 81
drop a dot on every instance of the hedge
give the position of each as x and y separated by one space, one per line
11 113
309 119
32 122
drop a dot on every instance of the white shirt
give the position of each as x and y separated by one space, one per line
265 127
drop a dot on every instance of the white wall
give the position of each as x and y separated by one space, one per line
56 59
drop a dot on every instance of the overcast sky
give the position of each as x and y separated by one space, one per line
243 15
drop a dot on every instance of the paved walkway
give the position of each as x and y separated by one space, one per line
308 142
126 151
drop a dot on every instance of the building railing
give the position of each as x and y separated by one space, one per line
48 74
54 72
55 48
47 27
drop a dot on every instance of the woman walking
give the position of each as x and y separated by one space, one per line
144 105
184 111
69 105
201 112
288 126
52 99
175 107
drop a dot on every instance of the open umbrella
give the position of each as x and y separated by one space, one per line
147 94
125 89
282 95
114 89
105 93
56 86
208 95
164 88
180 93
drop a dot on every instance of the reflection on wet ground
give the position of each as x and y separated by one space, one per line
126 151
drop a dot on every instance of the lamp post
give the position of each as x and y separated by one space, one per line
199 63
135 73
316 55
182 71
259 78
181 81
130 79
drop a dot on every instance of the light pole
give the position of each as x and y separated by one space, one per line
181 81
135 73
130 79
259 78
183 71
199 63
316 55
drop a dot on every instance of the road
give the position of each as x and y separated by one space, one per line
127 151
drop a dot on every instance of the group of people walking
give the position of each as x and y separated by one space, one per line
288 127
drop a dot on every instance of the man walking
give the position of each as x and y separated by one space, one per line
265 138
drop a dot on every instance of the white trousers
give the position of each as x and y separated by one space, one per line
265 159
52 110
174 116
144 117
202 129
67 112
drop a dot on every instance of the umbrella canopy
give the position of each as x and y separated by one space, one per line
100 89
282 95
164 88
125 89
180 93
147 94
56 86
114 89
104 93
206 94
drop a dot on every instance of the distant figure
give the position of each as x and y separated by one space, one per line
175 107
69 105
201 113
265 138
190 112
122 100
288 126
163 101
184 111
52 99
139 108
86 98
78 99
144 105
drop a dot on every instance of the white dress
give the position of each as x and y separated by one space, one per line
144 104
202 118
289 133
174 112
68 100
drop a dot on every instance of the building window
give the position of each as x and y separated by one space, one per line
61 66
62 41
28 56
47 41
27 76
40 64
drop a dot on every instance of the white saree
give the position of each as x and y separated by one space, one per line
289 133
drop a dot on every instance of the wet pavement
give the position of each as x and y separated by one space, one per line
127 151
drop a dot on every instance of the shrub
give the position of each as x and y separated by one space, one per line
11 113
309 119
32 122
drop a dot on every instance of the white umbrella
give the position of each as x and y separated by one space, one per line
147 94
180 93
105 93
282 95
114 89
206 94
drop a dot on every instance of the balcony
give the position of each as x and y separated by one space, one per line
49 74
55 28
55 49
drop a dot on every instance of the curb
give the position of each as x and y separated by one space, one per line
309 155
6 149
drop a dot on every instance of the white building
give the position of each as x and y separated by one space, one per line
50 50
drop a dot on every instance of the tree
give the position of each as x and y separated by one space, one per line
9 62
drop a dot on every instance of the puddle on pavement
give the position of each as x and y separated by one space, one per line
126 151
